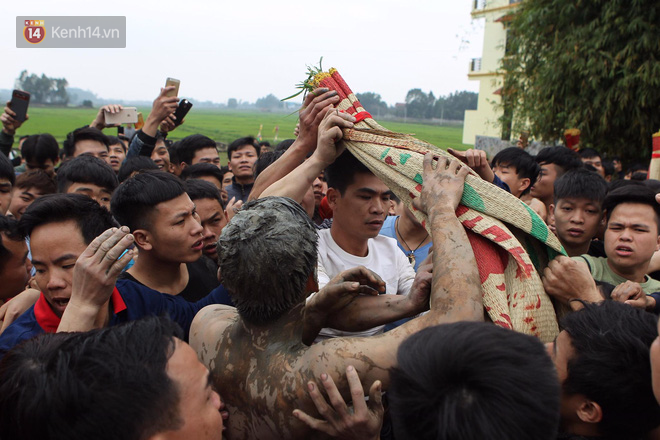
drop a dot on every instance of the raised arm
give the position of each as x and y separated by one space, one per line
456 286
144 142
313 111
296 183
9 127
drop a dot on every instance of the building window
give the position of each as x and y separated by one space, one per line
479 5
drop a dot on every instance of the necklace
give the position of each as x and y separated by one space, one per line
411 251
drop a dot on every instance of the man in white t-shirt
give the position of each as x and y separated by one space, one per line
359 201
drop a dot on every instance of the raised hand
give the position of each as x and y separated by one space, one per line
312 112
443 185
163 106
99 121
9 124
329 133
475 159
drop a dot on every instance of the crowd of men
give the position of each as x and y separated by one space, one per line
151 292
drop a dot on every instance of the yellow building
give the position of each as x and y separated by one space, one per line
484 120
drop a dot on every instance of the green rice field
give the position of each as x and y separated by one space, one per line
224 125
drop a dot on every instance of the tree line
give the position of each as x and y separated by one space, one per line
418 104
589 65
43 89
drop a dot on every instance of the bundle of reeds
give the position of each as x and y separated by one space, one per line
510 241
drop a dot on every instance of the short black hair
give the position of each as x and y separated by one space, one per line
135 164
280 228
631 194
341 173
581 183
127 141
86 169
103 384
201 189
264 144
611 366
639 176
652 184
524 163
39 148
562 157
202 170
92 218
265 160
608 167
9 227
189 145
284 145
637 167
173 151
618 183
470 380
135 199
38 179
588 153
115 140
83 134
7 169
241 142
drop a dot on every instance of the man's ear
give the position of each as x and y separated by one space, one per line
333 196
657 244
524 184
229 165
143 239
183 165
551 214
590 412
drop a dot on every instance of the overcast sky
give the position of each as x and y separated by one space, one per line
246 49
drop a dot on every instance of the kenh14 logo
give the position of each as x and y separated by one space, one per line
34 31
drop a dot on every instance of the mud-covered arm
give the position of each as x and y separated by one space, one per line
333 303
455 291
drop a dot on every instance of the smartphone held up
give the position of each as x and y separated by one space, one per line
19 104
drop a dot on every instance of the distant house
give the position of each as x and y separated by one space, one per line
484 120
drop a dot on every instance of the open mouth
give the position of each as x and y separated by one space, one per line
61 301
199 244
623 251
59 304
